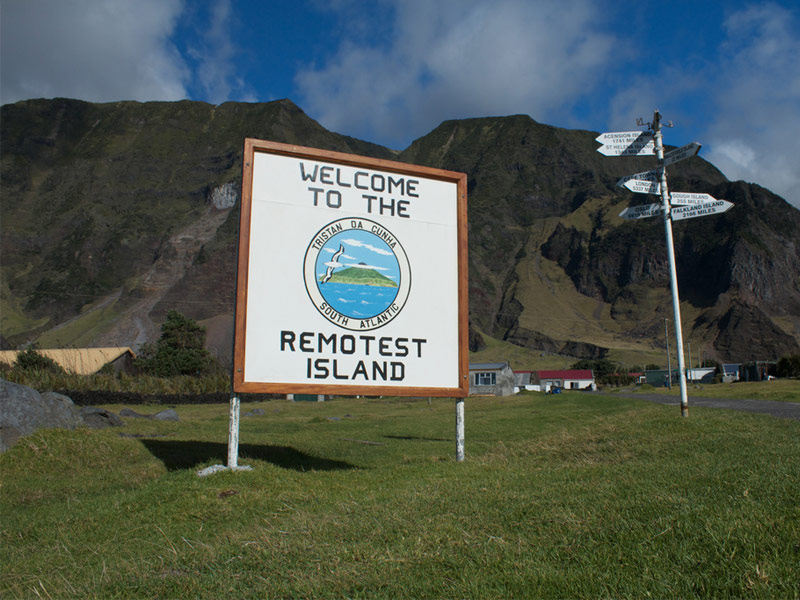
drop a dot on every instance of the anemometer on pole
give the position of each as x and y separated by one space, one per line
674 206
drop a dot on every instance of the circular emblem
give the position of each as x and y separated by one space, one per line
357 274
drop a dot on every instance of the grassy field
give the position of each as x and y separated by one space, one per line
782 390
568 496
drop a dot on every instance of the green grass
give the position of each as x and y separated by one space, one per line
576 495
520 359
781 390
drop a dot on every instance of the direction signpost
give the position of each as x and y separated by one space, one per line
626 143
700 210
641 212
686 151
642 183
687 205
687 198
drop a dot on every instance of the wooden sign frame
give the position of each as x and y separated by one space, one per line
335 176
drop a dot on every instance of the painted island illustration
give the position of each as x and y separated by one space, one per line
358 274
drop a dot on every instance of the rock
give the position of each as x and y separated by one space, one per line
166 415
24 410
127 412
256 412
99 418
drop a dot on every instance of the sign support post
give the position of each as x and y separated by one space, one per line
459 429
233 433
673 274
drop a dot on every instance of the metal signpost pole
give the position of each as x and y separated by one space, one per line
233 433
673 274
459 429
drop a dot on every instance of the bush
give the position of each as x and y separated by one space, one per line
179 351
33 360
600 367
616 380
789 366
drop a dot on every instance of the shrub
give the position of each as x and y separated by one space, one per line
179 351
33 360
789 366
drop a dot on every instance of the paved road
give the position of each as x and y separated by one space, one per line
783 410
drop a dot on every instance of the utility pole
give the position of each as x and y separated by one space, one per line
673 273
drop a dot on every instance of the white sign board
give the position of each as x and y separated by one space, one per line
689 198
646 182
700 210
352 276
641 212
641 186
624 137
626 143
686 151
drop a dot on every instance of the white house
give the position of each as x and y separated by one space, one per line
570 379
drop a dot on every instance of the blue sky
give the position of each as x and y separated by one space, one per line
389 71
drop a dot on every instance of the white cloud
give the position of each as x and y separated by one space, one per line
459 58
360 266
754 135
96 51
371 248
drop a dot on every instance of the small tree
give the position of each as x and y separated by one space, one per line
789 366
179 351
601 367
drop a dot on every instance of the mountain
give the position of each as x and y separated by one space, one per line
361 276
114 213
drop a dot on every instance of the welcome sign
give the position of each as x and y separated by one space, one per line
352 275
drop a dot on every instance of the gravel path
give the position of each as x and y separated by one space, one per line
783 410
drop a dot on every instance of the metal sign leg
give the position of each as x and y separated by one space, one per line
233 433
459 429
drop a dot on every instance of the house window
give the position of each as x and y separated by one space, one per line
485 378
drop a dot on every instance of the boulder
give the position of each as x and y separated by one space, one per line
127 412
23 410
166 415
99 418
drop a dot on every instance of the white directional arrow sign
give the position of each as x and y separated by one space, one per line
641 212
626 143
689 199
686 151
700 210
642 183
642 186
